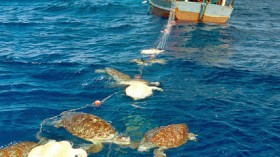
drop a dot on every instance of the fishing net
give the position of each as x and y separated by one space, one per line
52 128
166 31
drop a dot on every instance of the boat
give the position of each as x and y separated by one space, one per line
213 11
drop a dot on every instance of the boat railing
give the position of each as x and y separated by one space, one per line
163 4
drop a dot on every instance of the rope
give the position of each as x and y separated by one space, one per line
109 97
110 150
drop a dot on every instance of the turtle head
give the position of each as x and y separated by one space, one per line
192 136
122 140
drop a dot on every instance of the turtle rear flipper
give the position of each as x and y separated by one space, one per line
95 148
159 153
157 88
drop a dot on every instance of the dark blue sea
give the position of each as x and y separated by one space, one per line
222 80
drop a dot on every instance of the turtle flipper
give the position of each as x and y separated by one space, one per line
138 61
154 83
95 148
159 153
192 136
103 71
134 145
157 88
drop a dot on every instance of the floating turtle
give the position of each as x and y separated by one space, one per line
91 128
165 137
139 90
56 149
17 150
148 62
151 51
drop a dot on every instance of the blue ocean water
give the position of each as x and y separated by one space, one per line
222 80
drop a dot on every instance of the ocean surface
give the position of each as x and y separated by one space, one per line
222 80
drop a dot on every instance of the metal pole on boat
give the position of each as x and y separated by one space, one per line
202 10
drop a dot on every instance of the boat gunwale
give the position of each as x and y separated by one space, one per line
158 6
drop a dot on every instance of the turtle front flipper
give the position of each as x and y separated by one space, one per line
134 145
95 148
192 136
159 153
154 83
100 71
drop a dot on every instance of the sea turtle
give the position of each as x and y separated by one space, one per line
140 90
57 149
17 150
91 128
136 88
151 51
165 137
148 62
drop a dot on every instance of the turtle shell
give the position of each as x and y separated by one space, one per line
17 150
138 91
118 76
87 126
169 136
